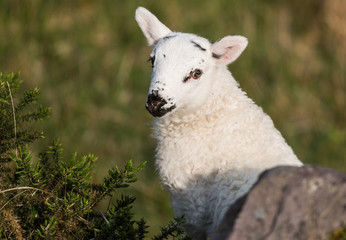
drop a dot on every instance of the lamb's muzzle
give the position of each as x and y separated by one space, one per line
155 105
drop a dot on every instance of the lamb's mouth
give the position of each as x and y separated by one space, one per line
160 111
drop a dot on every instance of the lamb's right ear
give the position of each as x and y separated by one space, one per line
228 49
152 28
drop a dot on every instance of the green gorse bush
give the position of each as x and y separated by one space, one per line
50 197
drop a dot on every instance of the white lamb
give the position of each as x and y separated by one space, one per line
212 140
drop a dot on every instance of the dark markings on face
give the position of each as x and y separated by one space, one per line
186 79
152 60
164 39
198 46
168 37
217 56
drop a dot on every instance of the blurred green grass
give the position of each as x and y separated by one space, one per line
89 60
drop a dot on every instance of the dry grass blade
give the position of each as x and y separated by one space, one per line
13 223
14 117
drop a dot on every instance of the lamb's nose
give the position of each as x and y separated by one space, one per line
154 104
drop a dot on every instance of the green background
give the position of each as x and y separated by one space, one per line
89 60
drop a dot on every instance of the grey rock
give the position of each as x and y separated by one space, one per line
298 203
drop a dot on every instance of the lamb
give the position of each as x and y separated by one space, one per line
212 140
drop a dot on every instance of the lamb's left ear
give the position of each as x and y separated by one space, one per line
228 49
152 28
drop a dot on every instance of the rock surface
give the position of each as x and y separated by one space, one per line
289 203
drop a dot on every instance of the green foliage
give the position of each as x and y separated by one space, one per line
14 115
339 234
120 223
53 197
174 229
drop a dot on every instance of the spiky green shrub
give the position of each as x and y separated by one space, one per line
13 115
55 198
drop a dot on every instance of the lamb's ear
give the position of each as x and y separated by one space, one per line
152 28
228 49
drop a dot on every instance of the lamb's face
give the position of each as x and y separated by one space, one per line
183 65
179 81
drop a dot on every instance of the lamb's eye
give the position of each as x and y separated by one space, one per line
152 60
195 74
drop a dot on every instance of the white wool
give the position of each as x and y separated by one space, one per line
213 145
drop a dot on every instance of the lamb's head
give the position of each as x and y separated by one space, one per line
179 79
184 65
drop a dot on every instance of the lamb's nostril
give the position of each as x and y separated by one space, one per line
155 102
155 105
